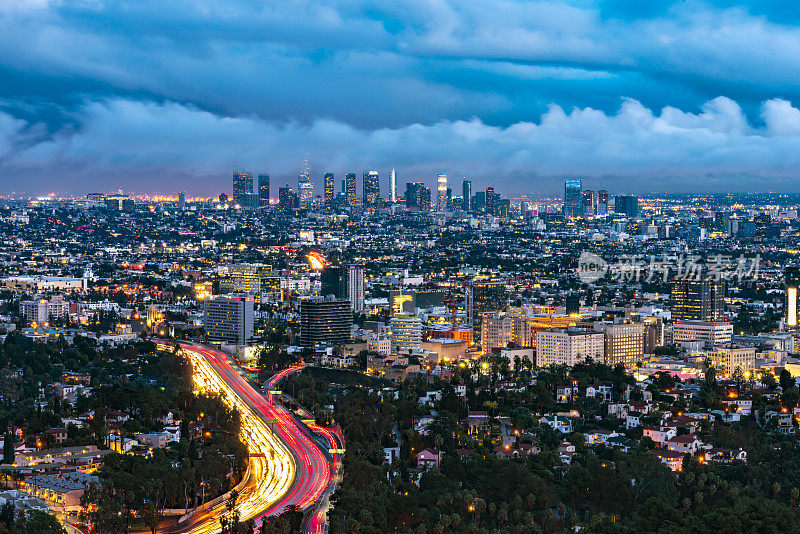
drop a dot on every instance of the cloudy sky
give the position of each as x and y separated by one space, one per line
636 96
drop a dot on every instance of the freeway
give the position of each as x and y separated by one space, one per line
286 464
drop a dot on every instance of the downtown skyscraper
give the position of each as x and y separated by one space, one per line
573 198
466 195
263 189
305 187
372 188
242 185
328 188
350 189
441 192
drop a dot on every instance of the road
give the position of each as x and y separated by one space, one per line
287 466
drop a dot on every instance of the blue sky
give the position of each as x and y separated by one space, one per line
635 96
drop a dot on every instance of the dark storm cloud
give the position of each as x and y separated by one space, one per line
181 92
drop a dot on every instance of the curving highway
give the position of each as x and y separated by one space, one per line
287 466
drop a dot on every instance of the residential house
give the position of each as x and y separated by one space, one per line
672 459
429 458
688 443
660 434
565 425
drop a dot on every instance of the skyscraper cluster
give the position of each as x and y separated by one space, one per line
579 202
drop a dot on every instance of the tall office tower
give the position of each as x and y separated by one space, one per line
393 186
588 202
263 190
355 287
761 222
305 187
424 198
372 188
344 282
350 188
790 319
466 195
485 296
441 192
120 202
624 343
626 205
242 185
181 201
697 300
246 277
325 320
229 318
412 194
328 179
406 332
491 201
573 198
286 198
602 202
334 281
479 201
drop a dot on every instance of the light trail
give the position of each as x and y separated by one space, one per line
286 467
271 469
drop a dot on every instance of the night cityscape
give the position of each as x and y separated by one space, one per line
434 267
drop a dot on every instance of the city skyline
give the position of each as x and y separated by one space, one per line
603 91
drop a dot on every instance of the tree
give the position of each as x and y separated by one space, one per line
8 449
786 381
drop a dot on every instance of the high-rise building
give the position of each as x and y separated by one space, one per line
333 279
792 285
466 195
762 222
418 196
229 319
697 300
120 202
716 332
424 198
406 332
627 205
355 287
344 282
441 192
246 277
242 185
393 187
181 201
573 198
325 320
624 343
496 331
602 202
588 202
305 187
485 296
491 201
372 188
287 199
479 201
328 182
350 188
263 190
568 347
42 310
